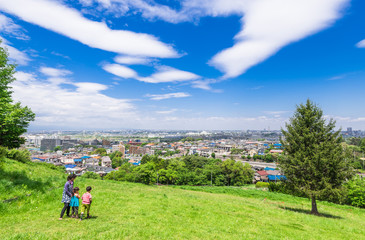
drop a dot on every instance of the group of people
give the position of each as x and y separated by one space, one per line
71 199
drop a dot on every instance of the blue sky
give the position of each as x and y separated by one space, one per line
193 64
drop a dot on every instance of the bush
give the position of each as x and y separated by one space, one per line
281 187
262 185
91 175
356 192
19 155
3 152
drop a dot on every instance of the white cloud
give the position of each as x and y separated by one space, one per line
168 95
269 25
169 74
17 56
83 108
67 21
120 71
164 74
87 87
24 77
54 72
361 44
130 60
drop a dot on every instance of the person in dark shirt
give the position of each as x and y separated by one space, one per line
67 195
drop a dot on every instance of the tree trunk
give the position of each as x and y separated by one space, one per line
314 206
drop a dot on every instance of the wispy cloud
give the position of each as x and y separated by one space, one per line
130 60
60 55
256 88
54 72
67 21
166 111
337 77
275 112
9 28
205 84
168 96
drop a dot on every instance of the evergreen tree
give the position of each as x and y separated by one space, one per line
315 162
14 119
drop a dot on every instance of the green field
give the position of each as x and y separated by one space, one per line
135 211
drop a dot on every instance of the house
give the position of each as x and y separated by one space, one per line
106 162
273 172
276 177
252 152
276 151
263 175
78 161
102 171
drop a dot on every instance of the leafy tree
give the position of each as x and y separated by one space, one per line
146 158
14 119
100 151
213 155
362 145
268 158
315 161
236 151
237 174
248 157
354 141
58 148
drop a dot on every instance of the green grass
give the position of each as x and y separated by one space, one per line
21 179
136 211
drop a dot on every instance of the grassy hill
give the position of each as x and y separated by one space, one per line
136 211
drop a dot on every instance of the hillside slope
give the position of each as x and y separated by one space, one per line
20 179
136 211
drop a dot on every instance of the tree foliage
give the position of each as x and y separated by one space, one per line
188 170
14 119
315 162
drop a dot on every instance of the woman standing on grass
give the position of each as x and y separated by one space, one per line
67 194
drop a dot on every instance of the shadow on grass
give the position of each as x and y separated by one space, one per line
306 211
20 179
90 218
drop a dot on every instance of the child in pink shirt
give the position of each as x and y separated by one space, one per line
86 202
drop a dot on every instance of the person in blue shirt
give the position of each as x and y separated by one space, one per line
75 203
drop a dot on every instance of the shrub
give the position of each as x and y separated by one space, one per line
91 175
356 192
262 184
3 151
19 155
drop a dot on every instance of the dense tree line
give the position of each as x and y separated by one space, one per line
188 170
